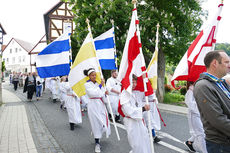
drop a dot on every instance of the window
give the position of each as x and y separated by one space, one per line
7 60
19 59
13 60
23 58
16 50
4 59
10 50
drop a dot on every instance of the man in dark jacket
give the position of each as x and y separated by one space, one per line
212 95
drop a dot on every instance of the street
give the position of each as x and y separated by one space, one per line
50 129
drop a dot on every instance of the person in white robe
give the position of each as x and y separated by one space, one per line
63 91
137 132
72 103
97 111
84 102
197 140
55 88
114 88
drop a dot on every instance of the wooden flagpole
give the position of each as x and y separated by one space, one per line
145 80
110 108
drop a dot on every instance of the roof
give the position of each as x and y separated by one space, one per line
25 45
46 17
42 43
4 32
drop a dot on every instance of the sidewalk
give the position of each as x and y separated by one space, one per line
173 108
15 134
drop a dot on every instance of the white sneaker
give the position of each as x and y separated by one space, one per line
97 148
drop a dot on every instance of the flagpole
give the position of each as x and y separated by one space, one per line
110 108
145 80
214 44
115 53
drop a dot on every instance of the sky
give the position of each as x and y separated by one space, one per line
24 19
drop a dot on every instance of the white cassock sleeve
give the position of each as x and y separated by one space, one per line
94 91
109 84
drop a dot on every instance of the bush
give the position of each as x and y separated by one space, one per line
183 90
173 98
168 88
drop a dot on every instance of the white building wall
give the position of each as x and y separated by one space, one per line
16 58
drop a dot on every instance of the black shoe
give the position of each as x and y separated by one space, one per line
61 106
117 119
54 100
156 139
110 117
189 146
71 126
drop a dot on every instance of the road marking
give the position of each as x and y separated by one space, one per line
161 142
172 147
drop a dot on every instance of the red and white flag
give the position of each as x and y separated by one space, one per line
132 61
192 63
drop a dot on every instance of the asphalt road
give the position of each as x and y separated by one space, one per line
81 140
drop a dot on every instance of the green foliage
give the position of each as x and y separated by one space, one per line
223 46
3 66
173 98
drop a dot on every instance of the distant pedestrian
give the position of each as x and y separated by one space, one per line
39 85
212 95
30 86
21 80
15 80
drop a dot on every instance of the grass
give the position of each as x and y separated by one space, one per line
174 98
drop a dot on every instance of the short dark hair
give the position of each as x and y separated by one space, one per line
210 56
112 71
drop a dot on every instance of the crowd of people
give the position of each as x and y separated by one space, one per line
208 101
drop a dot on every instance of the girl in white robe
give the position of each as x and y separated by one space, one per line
97 111
137 132
63 92
197 140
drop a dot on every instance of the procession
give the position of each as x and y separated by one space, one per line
100 90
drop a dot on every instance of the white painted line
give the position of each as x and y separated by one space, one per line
161 142
172 147
163 134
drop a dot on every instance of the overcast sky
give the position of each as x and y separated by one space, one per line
23 19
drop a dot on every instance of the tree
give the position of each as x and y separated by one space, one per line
223 46
179 23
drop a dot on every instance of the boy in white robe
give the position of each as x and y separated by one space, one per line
197 140
137 132
63 92
55 88
72 103
97 111
114 88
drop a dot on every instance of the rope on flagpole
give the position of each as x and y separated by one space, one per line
102 77
145 79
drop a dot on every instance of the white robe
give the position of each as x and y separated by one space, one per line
195 125
154 114
84 101
97 112
137 132
55 89
113 83
72 105
63 93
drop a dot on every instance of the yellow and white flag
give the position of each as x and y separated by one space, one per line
85 59
152 70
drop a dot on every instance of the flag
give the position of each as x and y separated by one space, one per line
54 60
192 63
152 70
85 59
132 61
105 50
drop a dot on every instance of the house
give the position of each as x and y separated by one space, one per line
16 57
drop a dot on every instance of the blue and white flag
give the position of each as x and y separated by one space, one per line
105 50
54 60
